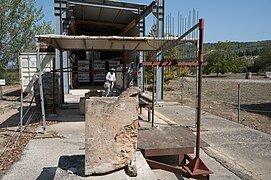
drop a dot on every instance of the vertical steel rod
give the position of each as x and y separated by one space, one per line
1 92
41 89
61 77
238 102
123 67
92 66
54 86
21 110
153 89
200 61
197 94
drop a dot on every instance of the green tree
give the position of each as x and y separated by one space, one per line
42 28
263 62
222 59
17 27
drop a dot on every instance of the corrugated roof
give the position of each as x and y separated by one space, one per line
107 43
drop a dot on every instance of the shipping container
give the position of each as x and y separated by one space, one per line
28 68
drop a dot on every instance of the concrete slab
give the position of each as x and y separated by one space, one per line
40 157
170 137
68 113
244 151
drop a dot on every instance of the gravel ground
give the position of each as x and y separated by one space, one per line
220 98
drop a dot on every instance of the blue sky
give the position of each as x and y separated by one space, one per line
225 20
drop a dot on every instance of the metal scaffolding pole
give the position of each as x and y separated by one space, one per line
61 78
21 109
160 33
41 90
141 70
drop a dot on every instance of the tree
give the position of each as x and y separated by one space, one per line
263 62
222 59
17 27
42 28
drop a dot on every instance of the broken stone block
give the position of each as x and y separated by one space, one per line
131 169
111 132
91 93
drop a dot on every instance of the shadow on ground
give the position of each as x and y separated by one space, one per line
262 109
74 164
32 116
47 173
13 93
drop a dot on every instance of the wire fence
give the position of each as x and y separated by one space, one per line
12 142
220 97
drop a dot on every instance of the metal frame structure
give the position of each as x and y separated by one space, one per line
66 24
195 167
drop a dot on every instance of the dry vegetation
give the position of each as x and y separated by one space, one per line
220 98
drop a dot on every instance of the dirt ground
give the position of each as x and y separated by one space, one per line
220 97
11 146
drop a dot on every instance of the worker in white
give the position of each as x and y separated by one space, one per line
110 80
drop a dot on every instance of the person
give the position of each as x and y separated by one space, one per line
110 80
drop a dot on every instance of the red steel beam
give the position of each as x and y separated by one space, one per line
176 170
200 60
169 63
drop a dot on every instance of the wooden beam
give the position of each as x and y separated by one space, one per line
90 22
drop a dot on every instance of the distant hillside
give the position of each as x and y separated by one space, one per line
244 48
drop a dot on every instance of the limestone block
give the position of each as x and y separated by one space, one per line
267 75
91 93
111 132
248 75
82 105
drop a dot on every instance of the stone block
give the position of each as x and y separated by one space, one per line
111 132
248 75
91 93
267 75
82 105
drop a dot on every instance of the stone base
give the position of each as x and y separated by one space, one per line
76 164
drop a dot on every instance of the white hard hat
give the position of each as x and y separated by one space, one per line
112 69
